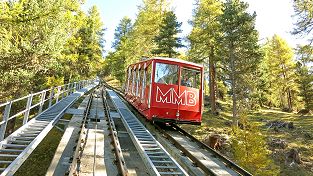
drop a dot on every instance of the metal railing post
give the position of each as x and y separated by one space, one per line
42 101
63 89
67 89
72 87
28 105
75 87
58 94
6 115
51 96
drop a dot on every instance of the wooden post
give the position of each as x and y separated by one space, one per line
6 115
28 105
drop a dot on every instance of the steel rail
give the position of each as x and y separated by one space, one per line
157 160
186 152
74 169
228 162
117 148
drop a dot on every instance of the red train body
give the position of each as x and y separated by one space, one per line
166 90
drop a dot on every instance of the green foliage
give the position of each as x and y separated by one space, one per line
239 50
132 42
205 31
167 40
279 74
250 151
116 61
305 75
123 28
82 56
33 34
45 39
145 28
304 15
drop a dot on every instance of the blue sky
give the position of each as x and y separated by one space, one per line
273 16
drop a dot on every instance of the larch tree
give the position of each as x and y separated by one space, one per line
279 70
87 47
145 28
203 40
305 75
239 51
167 40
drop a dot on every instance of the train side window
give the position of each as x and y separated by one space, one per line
148 82
143 83
133 82
166 73
190 78
137 82
148 75
129 79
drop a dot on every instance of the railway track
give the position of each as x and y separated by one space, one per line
134 146
209 161
206 158
92 152
155 157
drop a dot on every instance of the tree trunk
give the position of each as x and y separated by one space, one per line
233 84
289 99
212 82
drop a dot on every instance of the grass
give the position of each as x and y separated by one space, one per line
39 161
300 138
113 82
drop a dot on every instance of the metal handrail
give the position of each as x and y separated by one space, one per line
55 94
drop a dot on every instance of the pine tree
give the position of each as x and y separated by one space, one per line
167 40
117 59
203 40
279 72
123 28
304 72
304 15
239 51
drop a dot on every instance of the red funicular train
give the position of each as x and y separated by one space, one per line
166 90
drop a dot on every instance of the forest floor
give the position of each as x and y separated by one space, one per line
300 137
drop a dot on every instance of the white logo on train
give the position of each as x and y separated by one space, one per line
187 98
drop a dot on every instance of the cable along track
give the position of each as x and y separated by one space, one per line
155 157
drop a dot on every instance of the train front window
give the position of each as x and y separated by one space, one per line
166 73
190 78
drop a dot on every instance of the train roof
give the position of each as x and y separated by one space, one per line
172 60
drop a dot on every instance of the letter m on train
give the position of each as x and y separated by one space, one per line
164 97
170 96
